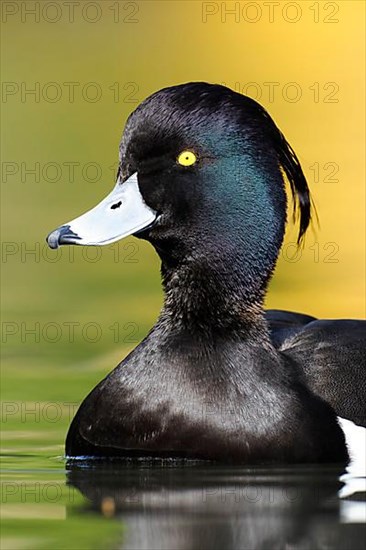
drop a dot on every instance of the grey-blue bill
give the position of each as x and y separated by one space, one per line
123 212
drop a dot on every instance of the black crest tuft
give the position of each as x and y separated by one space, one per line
289 162
299 188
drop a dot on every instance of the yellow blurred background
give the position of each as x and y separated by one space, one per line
89 66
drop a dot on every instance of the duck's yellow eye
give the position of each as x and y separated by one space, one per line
186 158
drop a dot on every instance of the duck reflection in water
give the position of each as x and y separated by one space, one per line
180 507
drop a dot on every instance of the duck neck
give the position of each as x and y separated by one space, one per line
217 293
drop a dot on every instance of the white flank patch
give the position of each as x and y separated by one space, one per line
355 477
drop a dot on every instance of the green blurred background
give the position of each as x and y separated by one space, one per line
89 69
69 317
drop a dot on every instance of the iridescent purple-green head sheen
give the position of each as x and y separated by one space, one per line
221 220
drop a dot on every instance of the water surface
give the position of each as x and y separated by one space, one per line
48 503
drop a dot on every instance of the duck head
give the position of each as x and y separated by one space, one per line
201 177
